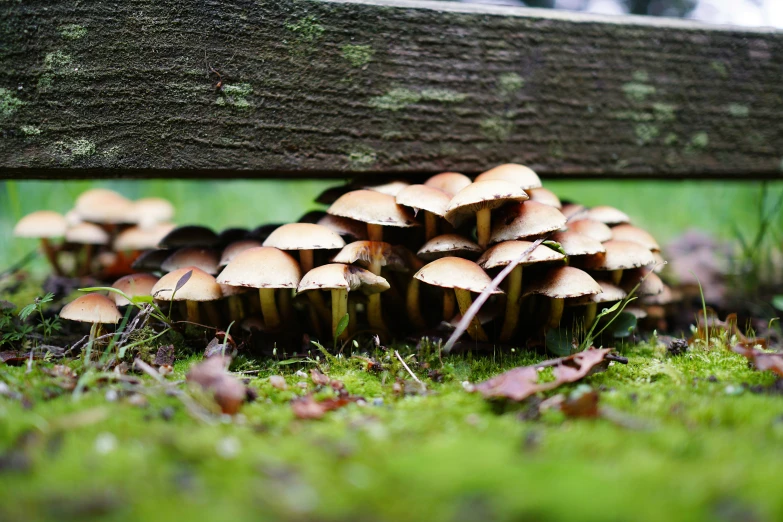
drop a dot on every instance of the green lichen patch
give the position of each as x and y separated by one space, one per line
646 133
738 110
641 76
74 149
720 68
235 95
9 103
307 29
637 92
30 130
362 156
442 95
510 83
72 31
395 99
357 55
57 61
671 139
698 141
664 111
497 129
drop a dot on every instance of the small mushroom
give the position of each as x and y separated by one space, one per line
575 244
348 229
559 284
649 284
203 258
232 235
545 196
150 260
199 288
591 228
607 215
135 239
609 294
149 212
305 238
636 235
133 285
376 209
449 245
104 207
431 201
448 182
520 175
526 220
43 225
236 248
190 236
619 256
88 235
95 309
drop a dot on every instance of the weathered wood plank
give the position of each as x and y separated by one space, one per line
130 87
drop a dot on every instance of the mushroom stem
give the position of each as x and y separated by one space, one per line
213 315
284 304
374 311
449 304
339 310
94 329
193 315
412 302
475 330
84 269
555 312
306 260
590 311
617 275
317 302
512 303
236 309
315 321
374 233
483 227
51 255
269 308
430 225
352 321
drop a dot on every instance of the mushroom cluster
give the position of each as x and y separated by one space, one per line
401 258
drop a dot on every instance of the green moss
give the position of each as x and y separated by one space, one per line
720 68
362 156
72 31
9 103
57 61
738 110
646 133
357 55
641 76
671 139
395 99
307 29
664 111
442 95
497 129
235 96
510 83
74 149
698 141
637 92
30 130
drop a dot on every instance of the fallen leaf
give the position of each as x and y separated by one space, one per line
581 403
308 408
211 375
318 378
164 356
278 382
762 360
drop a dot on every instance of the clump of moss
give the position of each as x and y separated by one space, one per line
497 129
72 31
9 103
307 29
357 55
509 83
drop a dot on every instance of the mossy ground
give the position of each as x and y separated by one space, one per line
688 440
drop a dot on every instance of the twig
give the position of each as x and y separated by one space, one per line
406 367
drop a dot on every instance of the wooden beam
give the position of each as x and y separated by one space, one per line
332 88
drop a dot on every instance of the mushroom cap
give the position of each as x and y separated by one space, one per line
570 210
392 188
563 282
72 218
350 228
262 267
591 228
635 234
228 290
104 206
202 258
545 196
635 311
190 236
609 293
608 215
372 207
132 285
149 211
620 255
332 194
232 234
87 234
261 232
449 245
507 252
660 262
575 244
649 283
422 197
455 272
449 182
138 238
336 276
363 252
41 224
304 236
520 175
482 195
664 298
311 216
200 287
236 248
150 260
91 308
528 219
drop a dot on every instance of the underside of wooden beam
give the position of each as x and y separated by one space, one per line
297 88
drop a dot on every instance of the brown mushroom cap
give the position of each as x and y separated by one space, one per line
190 236
304 236
104 206
620 255
364 252
87 234
336 276
449 182
649 283
591 228
150 260
576 244
262 267
138 238
609 293
528 219
392 188
350 228
132 285
201 258
41 224
236 248
521 176
571 210
422 197
150 211
608 215
372 207
490 194
636 235
91 308
563 282
664 298
200 287
449 245
455 272
660 262
507 252
545 196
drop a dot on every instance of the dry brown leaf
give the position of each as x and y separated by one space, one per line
308 408
277 381
763 361
318 378
211 375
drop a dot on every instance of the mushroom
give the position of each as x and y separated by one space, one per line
607 215
233 296
199 288
190 236
267 269
392 188
88 235
236 248
149 212
304 237
232 235
449 182
480 199
649 283
203 258
449 245
373 208
521 176
634 234
105 207
95 309
575 244
591 228
526 220
609 294
134 241
463 276
341 279
619 256
311 216
545 196
348 229
573 210
150 260
504 254
43 225
431 200
133 285
559 284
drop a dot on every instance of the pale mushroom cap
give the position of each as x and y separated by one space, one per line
355 230
365 251
104 206
635 234
665 297
422 197
660 262
575 244
482 195
72 218
620 255
571 210
608 215
507 252
449 182
202 258
649 283
41 224
151 260
190 236
452 245
455 272
545 196
262 267
91 308
391 188
562 283
635 311
336 276
520 175
372 207
528 219
236 248
150 211
609 293
591 228
200 287
304 236
132 285
138 238
87 234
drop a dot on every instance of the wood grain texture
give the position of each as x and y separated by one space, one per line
104 88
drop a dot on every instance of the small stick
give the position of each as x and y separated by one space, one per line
406 367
